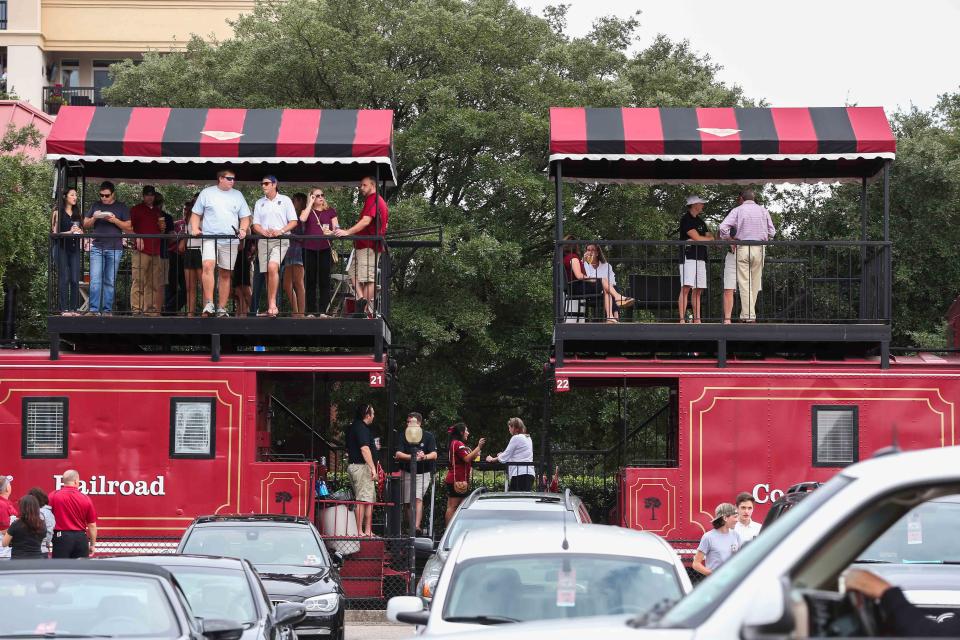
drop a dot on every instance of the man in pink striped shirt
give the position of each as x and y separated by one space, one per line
752 222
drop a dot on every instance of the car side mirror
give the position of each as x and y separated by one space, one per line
337 559
407 609
216 629
770 613
424 546
289 613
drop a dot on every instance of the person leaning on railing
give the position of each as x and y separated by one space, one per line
66 223
108 219
693 258
753 223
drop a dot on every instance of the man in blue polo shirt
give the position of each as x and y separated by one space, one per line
108 219
219 211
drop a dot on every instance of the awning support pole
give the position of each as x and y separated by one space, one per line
888 258
867 304
558 263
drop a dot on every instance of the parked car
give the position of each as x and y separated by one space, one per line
92 599
787 582
521 572
483 510
788 500
290 558
228 588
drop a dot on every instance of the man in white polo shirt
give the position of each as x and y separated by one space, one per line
273 217
219 211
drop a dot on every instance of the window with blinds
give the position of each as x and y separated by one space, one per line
835 436
192 422
44 428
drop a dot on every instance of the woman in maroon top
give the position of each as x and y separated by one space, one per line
318 219
460 457
578 284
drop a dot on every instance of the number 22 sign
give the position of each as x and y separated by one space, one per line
561 385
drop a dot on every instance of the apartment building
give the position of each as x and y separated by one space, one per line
56 52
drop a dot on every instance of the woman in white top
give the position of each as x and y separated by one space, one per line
519 449
596 266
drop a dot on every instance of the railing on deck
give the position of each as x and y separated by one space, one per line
57 96
804 282
146 284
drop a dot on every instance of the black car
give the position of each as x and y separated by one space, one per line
290 558
228 588
91 598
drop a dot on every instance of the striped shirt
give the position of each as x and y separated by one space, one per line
751 221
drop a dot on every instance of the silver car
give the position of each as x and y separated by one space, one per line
484 510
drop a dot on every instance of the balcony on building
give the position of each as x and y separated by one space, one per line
823 298
145 145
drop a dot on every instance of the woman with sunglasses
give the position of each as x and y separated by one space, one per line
318 218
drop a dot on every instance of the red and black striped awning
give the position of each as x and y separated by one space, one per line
719 144
156 142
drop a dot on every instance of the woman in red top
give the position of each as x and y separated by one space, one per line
460 457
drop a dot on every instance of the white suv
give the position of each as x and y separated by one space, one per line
787 581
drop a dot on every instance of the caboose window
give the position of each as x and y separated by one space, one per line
44 428
835 442
192 422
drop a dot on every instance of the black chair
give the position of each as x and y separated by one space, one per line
654 292
583 300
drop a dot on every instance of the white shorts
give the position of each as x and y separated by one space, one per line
693 273
730 272
271 250
223 251
423 481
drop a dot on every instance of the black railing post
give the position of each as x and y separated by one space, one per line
888 263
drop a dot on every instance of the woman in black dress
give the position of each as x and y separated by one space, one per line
26 534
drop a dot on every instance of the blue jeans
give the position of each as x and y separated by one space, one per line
103 276
68 272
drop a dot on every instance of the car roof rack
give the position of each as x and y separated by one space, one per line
474 496
252 517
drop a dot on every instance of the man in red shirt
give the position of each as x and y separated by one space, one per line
363 269
75 518
7 511
146 291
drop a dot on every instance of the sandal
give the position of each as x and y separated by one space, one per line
273 313
626 303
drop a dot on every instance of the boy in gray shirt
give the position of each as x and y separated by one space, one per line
718 545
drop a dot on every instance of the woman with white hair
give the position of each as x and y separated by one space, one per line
519 449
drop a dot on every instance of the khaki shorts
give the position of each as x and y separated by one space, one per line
730 271
223 251
423 481
271 250
362 482
364 265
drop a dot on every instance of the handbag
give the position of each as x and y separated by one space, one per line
381 479
459 486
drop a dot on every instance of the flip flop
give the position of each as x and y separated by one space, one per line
273 313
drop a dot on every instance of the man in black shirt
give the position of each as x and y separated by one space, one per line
425 454
361 450
906 620
693 258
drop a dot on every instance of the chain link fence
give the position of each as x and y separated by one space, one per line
129 546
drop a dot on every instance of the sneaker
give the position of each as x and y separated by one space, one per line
208 310
222 313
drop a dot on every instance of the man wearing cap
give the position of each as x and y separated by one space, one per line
8 512
146 289
719 545
221 211
273 217
75 519
751 222
693 259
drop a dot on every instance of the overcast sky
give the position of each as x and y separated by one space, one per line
812 53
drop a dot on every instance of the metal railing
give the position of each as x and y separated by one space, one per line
161 275
829 282
57 96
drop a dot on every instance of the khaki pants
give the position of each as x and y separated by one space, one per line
146 290
749 276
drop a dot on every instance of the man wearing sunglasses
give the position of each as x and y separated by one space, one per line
108 219
219 211
273 217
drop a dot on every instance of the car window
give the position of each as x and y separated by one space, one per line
926 534
701 602
258 544
215 592
474 520
85 604
563 585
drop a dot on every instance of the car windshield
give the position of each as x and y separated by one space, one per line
562 585
261 545
924 535
477 519
695 608
215 592
75 603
